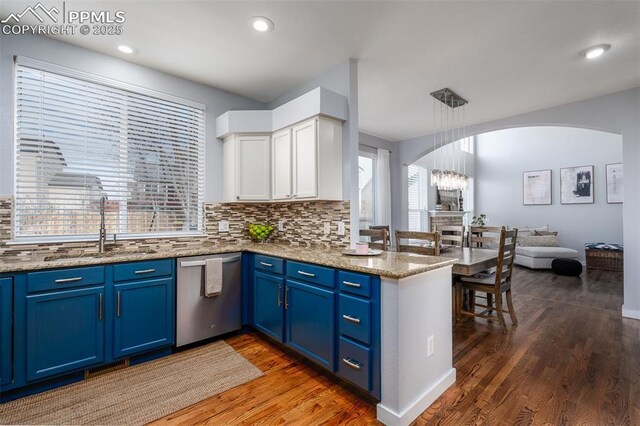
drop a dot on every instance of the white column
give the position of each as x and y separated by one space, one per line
414 309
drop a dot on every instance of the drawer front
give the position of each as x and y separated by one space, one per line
142 270
61 279
311 273
354 318
269 264
351 282
353 363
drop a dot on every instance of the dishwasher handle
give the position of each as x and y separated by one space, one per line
189 263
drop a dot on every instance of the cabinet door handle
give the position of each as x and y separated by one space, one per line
286 297
145 271
352 319
307 274
350 284
68 280
351 363
118 305
268 265
100 306
279 295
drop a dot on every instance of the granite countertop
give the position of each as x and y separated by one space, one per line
387 264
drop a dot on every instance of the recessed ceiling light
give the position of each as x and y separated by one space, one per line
595 51
126 49
261 24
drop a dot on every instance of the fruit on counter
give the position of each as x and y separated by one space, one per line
260 232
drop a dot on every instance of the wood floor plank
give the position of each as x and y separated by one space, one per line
572 360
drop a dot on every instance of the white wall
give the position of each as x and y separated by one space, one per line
617 113
502 156
56 52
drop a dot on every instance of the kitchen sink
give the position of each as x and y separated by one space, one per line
106 255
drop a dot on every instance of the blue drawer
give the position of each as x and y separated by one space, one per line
354 318
142 270
351 282
269 264
354 363
60 279
311 273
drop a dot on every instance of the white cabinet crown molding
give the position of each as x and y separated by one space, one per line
319 101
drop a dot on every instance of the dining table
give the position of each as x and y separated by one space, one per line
471 260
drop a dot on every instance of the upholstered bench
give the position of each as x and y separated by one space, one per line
608 257
541 257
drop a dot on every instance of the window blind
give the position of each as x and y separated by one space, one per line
79 139
418 182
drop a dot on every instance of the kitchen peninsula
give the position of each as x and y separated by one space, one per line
412 372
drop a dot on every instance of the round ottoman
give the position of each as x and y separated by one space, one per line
570 267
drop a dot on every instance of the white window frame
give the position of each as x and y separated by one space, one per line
424 213
363 152
97 79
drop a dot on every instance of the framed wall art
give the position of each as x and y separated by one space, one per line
576 185
536 187
614 183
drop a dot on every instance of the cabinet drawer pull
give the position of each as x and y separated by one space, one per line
268 265
279 295
68 280
350 284
145 271
118 307
352 319
100 307
286 297
351 363
307 274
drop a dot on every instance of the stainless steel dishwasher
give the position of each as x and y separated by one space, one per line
199 317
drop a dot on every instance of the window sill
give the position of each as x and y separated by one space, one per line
94 239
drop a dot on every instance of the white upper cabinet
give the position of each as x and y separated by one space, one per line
305 159
281 165
246 168
301 162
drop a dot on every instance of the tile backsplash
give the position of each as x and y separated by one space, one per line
304 224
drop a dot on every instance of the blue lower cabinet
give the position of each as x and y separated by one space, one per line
65 331
355 318
310 313
6 327
268 312
143 316
354 363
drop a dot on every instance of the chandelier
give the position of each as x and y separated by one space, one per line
450 174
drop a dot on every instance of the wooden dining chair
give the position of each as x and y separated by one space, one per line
485 236
493 284
377 238
386 228
452 235
423 242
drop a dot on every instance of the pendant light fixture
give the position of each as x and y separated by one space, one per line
450 174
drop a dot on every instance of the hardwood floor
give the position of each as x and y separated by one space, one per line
571 360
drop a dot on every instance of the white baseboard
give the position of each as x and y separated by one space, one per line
629 313
391 418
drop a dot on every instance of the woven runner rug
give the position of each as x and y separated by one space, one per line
138 394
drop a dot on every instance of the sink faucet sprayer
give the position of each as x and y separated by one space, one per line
103 230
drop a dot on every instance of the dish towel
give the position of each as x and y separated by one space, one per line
213 277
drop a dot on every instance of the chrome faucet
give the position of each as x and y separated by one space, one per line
103 230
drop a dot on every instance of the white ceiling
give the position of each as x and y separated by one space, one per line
504 57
